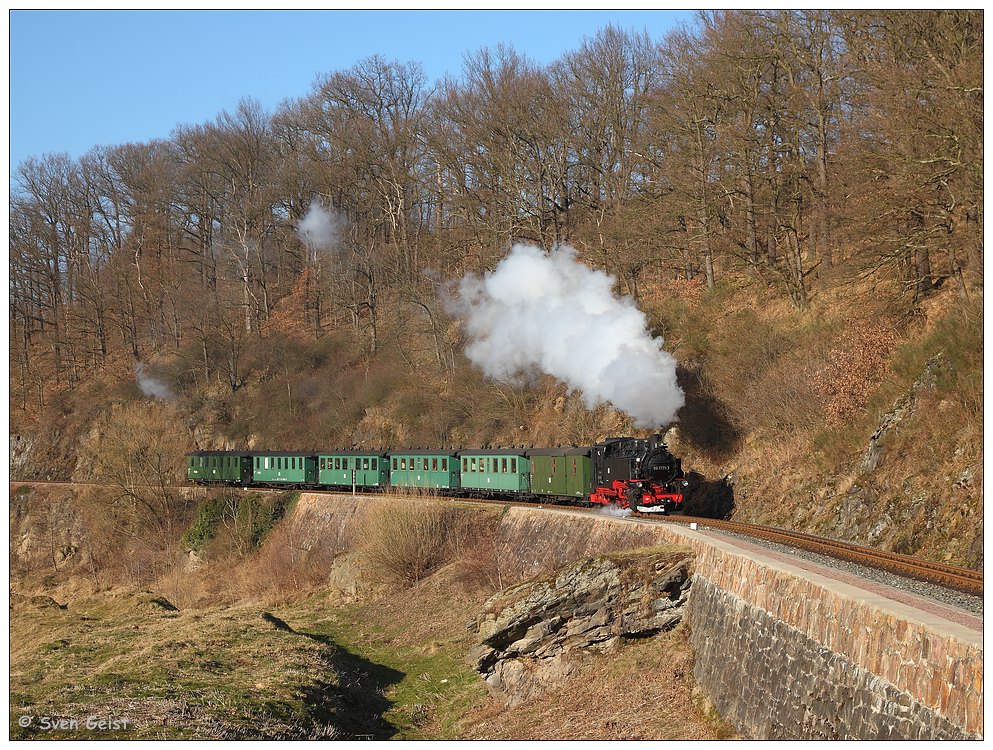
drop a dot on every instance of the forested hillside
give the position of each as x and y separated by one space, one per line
794 199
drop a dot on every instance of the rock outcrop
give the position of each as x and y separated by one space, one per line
535 634
898 412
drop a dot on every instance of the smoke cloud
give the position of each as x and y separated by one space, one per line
553 314
614 512
318 229
151 386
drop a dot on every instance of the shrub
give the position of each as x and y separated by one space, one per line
204 528
258 514
412 541
855 371
250 517
288 563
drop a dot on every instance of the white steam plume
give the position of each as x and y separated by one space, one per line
614 512
151 386
318 228
554 314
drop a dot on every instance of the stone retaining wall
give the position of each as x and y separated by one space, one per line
934 663
774 682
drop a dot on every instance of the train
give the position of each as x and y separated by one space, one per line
624 472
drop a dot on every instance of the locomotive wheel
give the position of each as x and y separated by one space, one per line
632 496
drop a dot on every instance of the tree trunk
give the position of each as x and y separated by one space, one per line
824 212
751 229
923 285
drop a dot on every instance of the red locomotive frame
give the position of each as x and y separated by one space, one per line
638 494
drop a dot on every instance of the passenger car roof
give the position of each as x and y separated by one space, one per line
568 450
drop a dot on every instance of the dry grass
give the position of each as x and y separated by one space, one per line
173 674
413 539
643 692
846 366
286 565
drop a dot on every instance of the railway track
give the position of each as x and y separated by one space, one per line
953 577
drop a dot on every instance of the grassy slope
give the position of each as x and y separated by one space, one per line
212 673
391 668
191 651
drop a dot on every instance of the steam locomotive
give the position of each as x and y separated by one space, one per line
624 472
639 474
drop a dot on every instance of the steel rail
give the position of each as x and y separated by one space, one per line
951 576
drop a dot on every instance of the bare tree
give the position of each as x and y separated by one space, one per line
918 129
140 453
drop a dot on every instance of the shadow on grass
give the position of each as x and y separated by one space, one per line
354 699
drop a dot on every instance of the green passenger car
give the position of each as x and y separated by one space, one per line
230 467
437 470
341 468
283 467
495 470
561 472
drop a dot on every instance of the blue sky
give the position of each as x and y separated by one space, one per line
84 78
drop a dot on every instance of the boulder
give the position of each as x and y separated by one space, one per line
535 634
